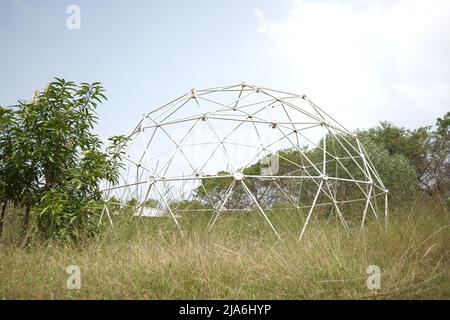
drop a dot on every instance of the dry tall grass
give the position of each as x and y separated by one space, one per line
238 260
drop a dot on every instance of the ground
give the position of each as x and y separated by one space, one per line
240 259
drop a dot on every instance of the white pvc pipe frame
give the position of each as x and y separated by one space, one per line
320 177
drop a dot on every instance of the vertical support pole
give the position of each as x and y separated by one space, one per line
170 210
386 209
260 209
105 209
137 181
109 216
366 207
217 213
311 209
324 167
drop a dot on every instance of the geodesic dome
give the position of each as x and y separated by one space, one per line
244 148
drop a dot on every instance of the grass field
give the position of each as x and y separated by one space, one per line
241 259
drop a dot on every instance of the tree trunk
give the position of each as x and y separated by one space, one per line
26 238
2 218
26 218
26 230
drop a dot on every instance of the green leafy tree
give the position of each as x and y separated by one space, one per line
58 162
71 209
151 203
18 174
413 144
427 149
397 174
7 121
437 170
133 202
213 190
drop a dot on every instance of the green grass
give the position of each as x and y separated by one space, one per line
241 259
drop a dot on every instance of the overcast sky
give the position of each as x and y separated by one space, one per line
363 61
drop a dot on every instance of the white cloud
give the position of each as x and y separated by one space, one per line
367 61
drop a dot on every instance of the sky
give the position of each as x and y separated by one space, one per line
362 61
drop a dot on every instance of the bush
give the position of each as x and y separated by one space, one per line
398 176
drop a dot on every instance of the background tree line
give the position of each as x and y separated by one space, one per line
427 150
406 160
